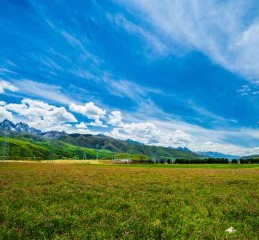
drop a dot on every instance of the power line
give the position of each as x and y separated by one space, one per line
53 148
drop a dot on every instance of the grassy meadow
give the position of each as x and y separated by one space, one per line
83 201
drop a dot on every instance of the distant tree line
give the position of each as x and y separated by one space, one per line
216 161
202 161
249 160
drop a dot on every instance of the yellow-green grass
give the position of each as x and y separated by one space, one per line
62 161
25 149
80 201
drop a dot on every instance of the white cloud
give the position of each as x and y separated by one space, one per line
165 131
2 103
82 128
7 86
4 114
5 70
149 133
226 148
244 90
44 91
176 138
42 115
90 110
88 75
97 123
115 119
81 125
223 30
143 132
144 129
133 91
80 44
132 28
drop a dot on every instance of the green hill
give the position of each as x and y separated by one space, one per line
34 147
79 146
22 149
115 145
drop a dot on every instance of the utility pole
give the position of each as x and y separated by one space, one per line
53 149
97 154
154 158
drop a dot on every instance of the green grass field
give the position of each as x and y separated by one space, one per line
77 201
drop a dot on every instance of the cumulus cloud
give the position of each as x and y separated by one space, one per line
176 138
144 129
166 133
115 119
97 123
42 115
7 86
223 30
81 125
149 133
90 110
143 132
82 128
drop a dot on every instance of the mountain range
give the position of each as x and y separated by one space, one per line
9 126
24 131
218 155
102 142
22 135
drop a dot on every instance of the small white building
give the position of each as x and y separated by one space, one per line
122 161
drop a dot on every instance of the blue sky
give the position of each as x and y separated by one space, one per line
172 73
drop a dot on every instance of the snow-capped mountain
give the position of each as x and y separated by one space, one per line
9 126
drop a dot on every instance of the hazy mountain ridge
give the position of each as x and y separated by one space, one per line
218 155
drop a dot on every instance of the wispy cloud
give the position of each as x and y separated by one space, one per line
44 91
244 90
80 44
121 21
225 31
125 88
7 86
6 70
